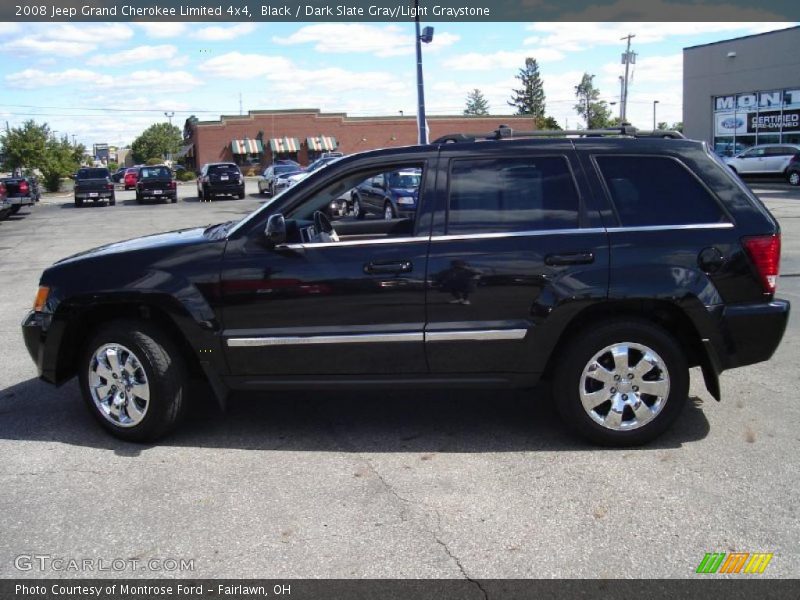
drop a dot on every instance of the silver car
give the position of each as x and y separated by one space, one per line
765 159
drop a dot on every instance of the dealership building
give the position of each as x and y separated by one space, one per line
744 91
260 137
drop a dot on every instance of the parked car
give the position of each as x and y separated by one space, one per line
266 183
296 178
390 195
220 179
765 159
156 182
21 191
93 183
130 178
119 175
607 265
5 205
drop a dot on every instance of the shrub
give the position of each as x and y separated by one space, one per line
251 172
155 161
52 182
186 175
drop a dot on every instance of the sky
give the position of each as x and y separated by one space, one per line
105 83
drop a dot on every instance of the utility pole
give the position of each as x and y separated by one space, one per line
654 114
169 116
73 139
628 59
240 104
621 94
427 37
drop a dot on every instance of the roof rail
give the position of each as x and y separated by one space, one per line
506 132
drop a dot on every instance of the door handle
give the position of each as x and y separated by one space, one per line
570 258
383 268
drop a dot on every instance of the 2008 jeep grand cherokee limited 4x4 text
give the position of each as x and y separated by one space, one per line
609 264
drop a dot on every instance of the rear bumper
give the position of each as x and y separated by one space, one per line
225 188
750 333
104 195
21 201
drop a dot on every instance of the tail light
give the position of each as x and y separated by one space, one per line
109 186
2 188
795 159
173 185
23 187
765 252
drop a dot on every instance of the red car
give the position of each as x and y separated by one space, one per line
131 175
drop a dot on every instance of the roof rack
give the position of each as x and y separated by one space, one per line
505 132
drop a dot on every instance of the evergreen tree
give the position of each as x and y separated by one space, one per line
477 105
529 99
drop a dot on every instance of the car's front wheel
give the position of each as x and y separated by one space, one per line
358 211
622 382
133 380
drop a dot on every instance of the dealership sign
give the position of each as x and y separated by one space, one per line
730 123
757 101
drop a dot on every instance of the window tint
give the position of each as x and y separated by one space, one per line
223 169
511 194
655 190
92 173
153 172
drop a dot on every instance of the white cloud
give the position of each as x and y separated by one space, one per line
636 10
341 38
229 66
33 45
479 61
135 55
216 33
163 30
164 81
29 79
178 61
65 40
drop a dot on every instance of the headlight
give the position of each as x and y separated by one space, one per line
405 200
41 298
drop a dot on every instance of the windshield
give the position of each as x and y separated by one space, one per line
92 173
280 169
153 172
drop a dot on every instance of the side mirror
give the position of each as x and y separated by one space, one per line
275 231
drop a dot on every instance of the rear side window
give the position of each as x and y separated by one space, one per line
656 190
154 172
511 194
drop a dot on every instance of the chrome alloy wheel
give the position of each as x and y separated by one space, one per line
388 213
624 386
118 385
794 178
356 208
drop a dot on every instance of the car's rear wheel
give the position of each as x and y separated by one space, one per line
133 380
15 209
241 195
794 178
78 202
621 383
388 211
112 201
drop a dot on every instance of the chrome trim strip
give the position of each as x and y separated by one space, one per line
293 340
386 240
475 335
671 227
511 234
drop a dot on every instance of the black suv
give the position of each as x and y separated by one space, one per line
608 264
220 179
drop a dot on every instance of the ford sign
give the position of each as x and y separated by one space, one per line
732 123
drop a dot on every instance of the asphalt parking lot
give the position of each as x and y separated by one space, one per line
433 484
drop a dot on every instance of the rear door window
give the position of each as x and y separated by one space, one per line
656 190
512 194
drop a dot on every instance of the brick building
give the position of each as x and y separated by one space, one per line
261 136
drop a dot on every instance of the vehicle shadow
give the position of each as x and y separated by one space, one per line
457 421
71 204
133 202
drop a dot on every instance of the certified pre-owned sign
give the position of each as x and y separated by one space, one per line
752 122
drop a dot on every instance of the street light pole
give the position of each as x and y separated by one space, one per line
169 115
426 36
654 114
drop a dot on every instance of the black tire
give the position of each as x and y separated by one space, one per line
15 209
78 202
138 198
241 195
112 201
580 351
166 375
358 208
174 199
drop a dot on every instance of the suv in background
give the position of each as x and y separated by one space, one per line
220 179
156 182
5 205
608 265
129 178
21 191
765 159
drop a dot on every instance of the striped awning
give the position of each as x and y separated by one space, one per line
322 143
284 144
246 146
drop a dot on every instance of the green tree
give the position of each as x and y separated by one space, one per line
550 123
477 105
529 98
677 126
33 148
160 139
593 110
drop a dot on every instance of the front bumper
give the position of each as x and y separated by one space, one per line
750 333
